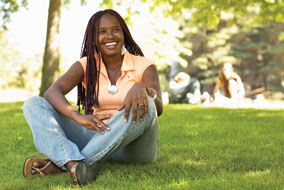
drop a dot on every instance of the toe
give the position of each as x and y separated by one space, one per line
34 172
35 165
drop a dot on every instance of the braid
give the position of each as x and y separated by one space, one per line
89 96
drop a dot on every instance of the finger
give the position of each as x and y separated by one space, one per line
134 112
121 107
93 126
126 112
141 110
99 130
104 116
146 107
101 124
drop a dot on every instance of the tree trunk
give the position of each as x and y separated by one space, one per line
50 69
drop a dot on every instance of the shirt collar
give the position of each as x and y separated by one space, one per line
127 64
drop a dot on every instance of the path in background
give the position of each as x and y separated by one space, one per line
12 95
248 103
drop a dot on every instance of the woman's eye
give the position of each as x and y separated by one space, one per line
116 30
101 31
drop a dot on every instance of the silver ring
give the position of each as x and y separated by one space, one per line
142 105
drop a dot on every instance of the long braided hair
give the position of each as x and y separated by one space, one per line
89 96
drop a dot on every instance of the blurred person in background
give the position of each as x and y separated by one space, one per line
230 82
184 89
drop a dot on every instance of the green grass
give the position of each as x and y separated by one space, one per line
200 148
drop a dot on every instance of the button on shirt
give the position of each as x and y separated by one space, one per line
132 70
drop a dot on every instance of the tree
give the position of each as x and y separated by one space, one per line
51 58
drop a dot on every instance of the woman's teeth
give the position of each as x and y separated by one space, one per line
111 44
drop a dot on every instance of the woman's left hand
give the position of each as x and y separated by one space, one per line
135 98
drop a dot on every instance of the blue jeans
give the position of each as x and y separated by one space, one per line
61 139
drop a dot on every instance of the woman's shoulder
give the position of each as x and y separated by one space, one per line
83 60
140 60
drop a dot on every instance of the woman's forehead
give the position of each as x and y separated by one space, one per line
108 20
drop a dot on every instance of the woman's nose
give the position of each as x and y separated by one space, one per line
109 34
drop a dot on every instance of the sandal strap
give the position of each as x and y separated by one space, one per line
40 170
73 173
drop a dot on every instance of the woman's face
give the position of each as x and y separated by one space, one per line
111 37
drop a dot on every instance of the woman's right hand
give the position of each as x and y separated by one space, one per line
93 121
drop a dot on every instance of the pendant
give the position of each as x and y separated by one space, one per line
112 89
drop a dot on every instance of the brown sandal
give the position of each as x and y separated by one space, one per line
28 166
83 173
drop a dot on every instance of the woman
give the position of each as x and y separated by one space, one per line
231 81
120 93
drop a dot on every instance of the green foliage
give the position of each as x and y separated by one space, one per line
209 49
7 7
107 4
260 55
209 12
200 148
66 2
17 71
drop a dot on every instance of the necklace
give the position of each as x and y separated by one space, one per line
112 89
113 76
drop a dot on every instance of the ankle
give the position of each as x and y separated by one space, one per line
70 164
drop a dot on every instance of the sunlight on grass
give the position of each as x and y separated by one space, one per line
64 188
195 163
262 114
257 173
182 106
180 184
192 133
208 116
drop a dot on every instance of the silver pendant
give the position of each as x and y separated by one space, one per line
112 89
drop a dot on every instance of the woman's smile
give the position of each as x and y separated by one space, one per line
111 45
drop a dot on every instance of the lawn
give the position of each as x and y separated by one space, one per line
200 148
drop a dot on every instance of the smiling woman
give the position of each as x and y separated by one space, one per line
111 37
120 93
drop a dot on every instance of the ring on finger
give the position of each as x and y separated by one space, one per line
142 105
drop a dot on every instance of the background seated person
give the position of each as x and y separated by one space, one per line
184 89
231 82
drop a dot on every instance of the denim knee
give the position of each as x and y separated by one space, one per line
151 105
33 101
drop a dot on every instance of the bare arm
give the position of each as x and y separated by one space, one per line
217 86
151 80
55 95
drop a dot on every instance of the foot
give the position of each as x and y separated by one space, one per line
45 167
73 173
82 173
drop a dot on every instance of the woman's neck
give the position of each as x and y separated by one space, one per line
112 62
